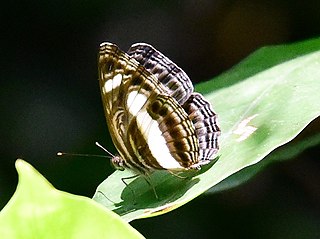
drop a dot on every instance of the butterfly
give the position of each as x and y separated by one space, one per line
155 119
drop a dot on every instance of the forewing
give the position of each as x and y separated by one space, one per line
148 127
121 80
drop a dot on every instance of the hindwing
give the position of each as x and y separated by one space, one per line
204 119
176 81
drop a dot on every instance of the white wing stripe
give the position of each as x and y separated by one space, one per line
156 142
135 102
113 83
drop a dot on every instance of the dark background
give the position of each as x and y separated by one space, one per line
50 101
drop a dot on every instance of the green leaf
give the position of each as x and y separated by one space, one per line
263 103
285 152
37 210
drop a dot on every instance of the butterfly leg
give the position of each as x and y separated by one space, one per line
148 180
127 185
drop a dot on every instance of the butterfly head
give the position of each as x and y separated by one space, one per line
118 163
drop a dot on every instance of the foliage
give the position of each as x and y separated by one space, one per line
262 104
37 210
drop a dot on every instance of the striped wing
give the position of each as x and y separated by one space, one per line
148 127
179 86
204 119
176 81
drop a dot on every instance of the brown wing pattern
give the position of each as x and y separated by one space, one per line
180 87
148 127
205 122
175 80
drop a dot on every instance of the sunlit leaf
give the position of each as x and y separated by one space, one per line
38 210
263 103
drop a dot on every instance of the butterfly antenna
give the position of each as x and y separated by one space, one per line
110 155
82 155
105 150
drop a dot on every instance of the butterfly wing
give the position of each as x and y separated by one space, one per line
148 127
176 81
204 119
180 87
